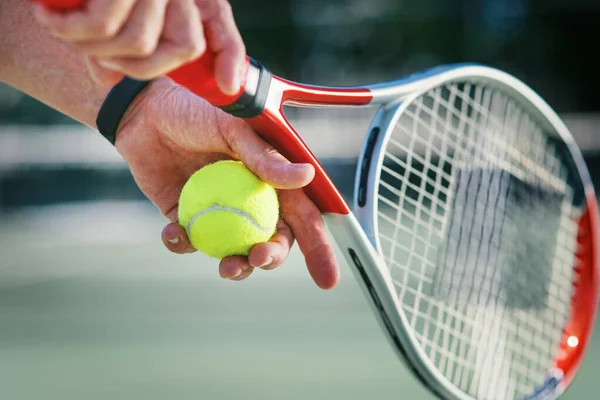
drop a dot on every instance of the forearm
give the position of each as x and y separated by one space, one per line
37 64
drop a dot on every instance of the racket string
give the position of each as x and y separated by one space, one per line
465 172
517 157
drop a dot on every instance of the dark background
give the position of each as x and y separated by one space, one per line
549 44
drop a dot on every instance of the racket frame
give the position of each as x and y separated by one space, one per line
367 183
354 229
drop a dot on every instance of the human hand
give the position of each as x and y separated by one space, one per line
168 133
144 39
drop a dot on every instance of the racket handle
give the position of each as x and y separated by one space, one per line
198 76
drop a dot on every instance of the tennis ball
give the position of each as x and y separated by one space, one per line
226 209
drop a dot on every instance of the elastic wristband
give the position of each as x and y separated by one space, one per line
115 104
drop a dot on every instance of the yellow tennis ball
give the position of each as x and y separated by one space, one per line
226 209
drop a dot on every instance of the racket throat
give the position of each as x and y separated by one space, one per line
251 102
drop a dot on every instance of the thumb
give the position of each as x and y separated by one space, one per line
265 161
178 114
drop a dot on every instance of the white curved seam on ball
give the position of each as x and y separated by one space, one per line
216 207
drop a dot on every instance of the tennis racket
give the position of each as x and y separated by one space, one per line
473 231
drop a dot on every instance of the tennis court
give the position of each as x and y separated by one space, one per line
92 306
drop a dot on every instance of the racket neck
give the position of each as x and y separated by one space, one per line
251 101
298 94
272 126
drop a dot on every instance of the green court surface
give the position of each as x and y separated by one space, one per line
92 307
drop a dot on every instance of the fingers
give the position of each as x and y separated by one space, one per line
225 42
267 256
306 222
175 239
272 254
225 134
182 41
302 220
235 268
147 38
139 37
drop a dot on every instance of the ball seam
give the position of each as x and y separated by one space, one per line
216 207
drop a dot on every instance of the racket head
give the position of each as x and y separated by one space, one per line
469 135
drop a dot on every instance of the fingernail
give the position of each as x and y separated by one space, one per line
174 240
238 273
267 263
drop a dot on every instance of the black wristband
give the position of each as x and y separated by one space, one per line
115 104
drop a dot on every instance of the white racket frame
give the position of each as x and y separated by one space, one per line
356 234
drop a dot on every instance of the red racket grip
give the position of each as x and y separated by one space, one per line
60 4
198 76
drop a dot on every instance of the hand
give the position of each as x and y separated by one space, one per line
167 134
148 38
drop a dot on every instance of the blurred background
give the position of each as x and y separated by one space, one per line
92 306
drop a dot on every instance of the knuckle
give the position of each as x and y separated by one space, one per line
222 127
302 216
263 162
142 46
307 218
104 29
269 153
191 48
316 248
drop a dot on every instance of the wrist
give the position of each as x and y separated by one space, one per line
116 104
136 118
